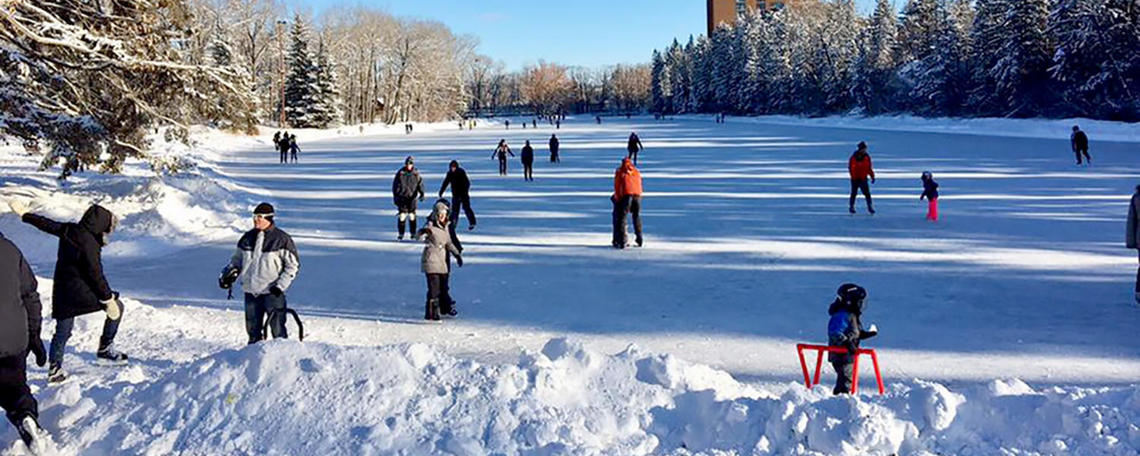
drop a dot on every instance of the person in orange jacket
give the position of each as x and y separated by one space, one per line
859 167
626 199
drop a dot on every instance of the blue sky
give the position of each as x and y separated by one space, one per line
571 32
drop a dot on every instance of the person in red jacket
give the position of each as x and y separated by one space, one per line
626 199
859 166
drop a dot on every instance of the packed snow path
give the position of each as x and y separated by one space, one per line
747 237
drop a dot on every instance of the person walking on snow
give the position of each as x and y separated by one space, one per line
859 167
460 193
633 147
1080 143
434 262
554 144
528 162
626 200
79 286
267 263
407 188
845 329
20 315
1132 235
930 192
501 153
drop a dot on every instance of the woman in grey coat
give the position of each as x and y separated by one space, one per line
434 263
1132 234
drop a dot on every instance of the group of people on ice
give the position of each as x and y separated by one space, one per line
286 145
503 150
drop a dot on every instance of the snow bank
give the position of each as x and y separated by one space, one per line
287 397
1098 130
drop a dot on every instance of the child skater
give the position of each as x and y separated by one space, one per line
845 329
930 192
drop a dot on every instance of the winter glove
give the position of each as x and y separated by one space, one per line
872 179
421 197
36 346
869 332
277 292
113 307
18 207
459 261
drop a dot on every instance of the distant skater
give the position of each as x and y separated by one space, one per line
528 162
1080 143
460 193
930 193
501 153
633 147
859 167
407 188
293 149
554 143
598 119
507 123
627 201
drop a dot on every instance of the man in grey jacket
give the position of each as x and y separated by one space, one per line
20 315
1133 232
268 262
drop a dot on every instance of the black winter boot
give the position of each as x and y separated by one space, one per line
400 229
432 311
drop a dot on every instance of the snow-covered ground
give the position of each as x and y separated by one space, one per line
747 237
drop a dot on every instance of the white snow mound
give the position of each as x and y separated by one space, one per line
286 397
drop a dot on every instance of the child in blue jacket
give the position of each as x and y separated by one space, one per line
845 329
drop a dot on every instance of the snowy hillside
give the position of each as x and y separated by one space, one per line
1008 326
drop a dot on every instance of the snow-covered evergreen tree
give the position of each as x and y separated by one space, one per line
326 108
724 67
681 75
878 61
917 32
1021 73
1096 64
940 81
659 86
301 90
841 31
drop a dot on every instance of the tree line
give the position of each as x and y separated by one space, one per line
959 58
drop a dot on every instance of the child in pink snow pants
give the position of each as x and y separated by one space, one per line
930 193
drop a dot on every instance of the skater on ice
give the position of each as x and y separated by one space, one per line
627 201
267 263
930 193
1080 143
79 286
554 145
501 152
528 162
20 313
407 188
633 147
1132 234
845 329
460 193
435 262
859 167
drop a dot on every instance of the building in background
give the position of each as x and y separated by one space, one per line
728 10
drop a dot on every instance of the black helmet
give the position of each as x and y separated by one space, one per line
852 295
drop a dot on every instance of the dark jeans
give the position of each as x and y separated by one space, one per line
1082 151
843 376
15 396
633 155
630 204
554 157
502 166
255 309
856 186
284 156
528 171
63 329
462 202
293 155
438 295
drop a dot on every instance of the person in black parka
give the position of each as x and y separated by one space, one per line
845 329
554 145
80 288
1080 142
19 335
407 188
460 194
633 146
528 161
